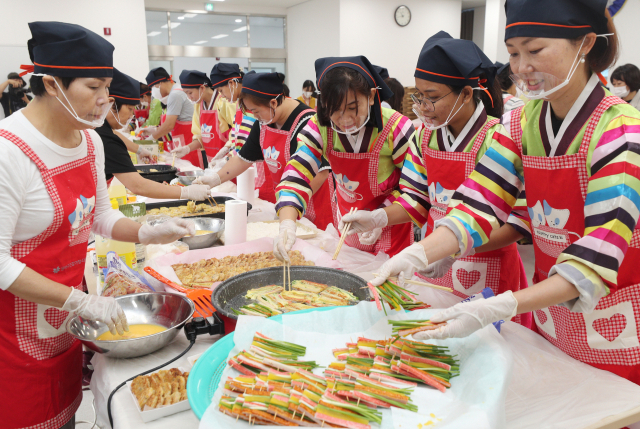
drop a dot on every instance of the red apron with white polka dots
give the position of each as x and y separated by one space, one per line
41 365
499 269
607 338
362 169
276 150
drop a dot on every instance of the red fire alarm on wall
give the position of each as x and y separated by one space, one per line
107 31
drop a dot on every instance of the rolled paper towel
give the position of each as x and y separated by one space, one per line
235 221
247 186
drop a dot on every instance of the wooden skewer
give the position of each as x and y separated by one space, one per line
344 235
173 163
417 283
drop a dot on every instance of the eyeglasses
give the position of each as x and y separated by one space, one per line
429 104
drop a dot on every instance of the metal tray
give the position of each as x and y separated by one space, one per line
178 203
165 173
231 293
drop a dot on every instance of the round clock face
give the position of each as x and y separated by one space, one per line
403 16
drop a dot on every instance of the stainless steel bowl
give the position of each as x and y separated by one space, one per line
187 177
161 308
206 240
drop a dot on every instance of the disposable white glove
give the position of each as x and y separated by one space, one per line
285 240
465 318
222 153
179 152
440 268
403 265
369 238
148 131
166 232
195 192
363 221
143 152
99 308
212 181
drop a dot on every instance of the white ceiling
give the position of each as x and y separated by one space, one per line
470 4
265 3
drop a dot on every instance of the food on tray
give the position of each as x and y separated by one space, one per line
398 298
208 271
135 331
368 375
273 300
191 209
160 388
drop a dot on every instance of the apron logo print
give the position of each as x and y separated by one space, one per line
439 196
205 130
80 216
55 317
56 270
610 328
271 158
468 278
543 214
347 188
542 317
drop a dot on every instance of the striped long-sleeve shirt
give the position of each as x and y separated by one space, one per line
240 131
611 208
294 190
415 198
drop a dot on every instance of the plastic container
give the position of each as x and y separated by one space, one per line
118 193
126 252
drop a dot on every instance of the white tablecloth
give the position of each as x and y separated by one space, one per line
548 389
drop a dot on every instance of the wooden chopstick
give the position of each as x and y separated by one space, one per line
343 236
417 283
173 163
289 274
214 201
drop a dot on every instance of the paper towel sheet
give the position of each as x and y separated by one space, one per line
163 264
475 400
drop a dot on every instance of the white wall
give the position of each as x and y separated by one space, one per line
312 33
368 27
494 24
626 22
124 17
478 26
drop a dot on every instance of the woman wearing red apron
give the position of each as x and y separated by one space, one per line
272 140
56 197
460 124
574 148
177 120
124 90
212 118
365 145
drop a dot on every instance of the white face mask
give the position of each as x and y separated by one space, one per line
352 129
232 90
307 94
430 124
155 93
620 91
99 112
199 98
273 115
144 104
540 85
117 118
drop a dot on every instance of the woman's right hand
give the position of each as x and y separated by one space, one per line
212 181
99 308
364 221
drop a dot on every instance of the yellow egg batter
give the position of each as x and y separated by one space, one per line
135 331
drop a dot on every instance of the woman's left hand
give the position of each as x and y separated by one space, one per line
166 232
